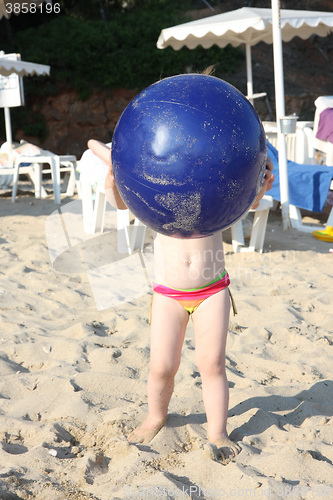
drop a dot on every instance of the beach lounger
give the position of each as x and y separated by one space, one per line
301 150
7 169
26 158
57 165
308 189
309 184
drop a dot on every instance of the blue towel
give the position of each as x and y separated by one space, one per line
308 184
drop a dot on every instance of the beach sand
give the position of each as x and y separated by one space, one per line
74 354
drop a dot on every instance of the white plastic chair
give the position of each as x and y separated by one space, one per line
258 231
58 164
130 237
30 171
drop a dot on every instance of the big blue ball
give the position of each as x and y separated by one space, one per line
189 155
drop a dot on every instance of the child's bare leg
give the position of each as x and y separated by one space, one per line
210 323
168 327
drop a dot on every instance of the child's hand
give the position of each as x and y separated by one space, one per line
267 184
269 176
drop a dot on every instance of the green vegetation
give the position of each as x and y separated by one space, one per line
121 52
91 53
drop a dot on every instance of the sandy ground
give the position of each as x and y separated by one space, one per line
74 351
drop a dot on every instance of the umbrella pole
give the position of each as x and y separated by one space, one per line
8 126
249 72
280 112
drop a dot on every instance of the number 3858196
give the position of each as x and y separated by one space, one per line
32 8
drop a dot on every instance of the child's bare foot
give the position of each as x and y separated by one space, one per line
222 449
146 431
226 448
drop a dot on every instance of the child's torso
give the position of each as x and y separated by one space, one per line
188 263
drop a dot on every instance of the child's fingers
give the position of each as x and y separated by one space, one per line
270 182
268 175
269 170
269 165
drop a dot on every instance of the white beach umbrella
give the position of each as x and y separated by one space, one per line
21 68
11 87
247 26
250 26
11 92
